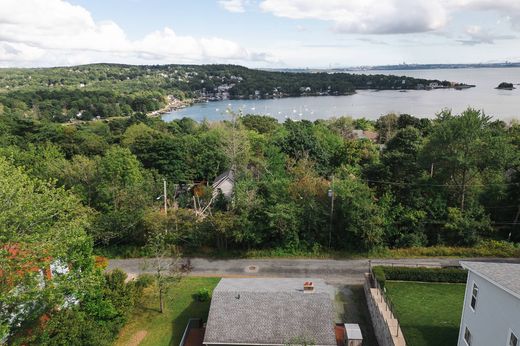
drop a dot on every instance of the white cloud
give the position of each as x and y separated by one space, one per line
236 6
387 16
366 16
508 8
477 35
55 32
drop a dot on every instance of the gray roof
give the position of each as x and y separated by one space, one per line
225 175
353 331
505 275
270 311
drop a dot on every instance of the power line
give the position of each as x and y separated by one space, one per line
435 185
438 222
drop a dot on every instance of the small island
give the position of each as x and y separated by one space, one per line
505 86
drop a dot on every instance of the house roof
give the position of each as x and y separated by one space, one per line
270 312
361 134
226 175
503 275
353 331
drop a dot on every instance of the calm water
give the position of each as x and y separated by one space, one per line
502 104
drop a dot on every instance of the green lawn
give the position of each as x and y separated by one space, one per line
149 327
429 313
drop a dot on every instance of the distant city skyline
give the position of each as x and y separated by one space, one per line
259 33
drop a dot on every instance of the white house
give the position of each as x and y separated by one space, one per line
491 311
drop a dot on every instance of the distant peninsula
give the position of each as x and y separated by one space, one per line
97 91
401 67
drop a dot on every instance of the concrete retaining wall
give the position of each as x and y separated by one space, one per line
386 326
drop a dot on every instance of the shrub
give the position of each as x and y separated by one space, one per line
203 295
485 248
101 262
96 320
144 280
379 275
452 275
70 327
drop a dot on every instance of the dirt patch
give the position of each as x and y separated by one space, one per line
351 307
136 339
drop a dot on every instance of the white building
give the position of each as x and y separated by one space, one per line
491 311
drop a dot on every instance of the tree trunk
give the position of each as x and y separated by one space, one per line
463 196
161 302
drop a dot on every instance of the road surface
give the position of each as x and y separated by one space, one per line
347 272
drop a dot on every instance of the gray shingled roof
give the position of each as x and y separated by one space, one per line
270 312
228 174
507 275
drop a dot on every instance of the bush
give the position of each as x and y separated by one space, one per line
96 320
70 327
101 262
452 275
379 275
144 280
203 295
485 248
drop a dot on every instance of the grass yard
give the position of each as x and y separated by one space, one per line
429 313
148 326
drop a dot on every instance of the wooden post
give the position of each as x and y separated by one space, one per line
165 198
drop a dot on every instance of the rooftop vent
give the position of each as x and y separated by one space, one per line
308 287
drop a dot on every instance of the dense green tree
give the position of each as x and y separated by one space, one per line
259 123
359 219
462 149
34 215
386 126
122 194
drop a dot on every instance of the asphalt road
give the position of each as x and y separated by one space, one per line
345 272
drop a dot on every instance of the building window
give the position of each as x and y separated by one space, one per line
513 340
467 336
474 294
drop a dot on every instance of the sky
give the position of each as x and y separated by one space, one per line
258 33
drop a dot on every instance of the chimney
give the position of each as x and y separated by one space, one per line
308 287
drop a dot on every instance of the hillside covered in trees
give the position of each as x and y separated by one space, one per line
453 180
104 90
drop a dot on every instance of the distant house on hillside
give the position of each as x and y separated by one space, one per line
224 183
372 136
491 311
267 311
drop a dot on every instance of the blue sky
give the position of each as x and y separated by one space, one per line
258 33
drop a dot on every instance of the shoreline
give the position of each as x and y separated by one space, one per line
172 105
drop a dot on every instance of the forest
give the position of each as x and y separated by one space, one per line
453 180
85 92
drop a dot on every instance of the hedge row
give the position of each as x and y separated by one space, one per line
452 275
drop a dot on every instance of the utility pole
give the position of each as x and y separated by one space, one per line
165 198
331 195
